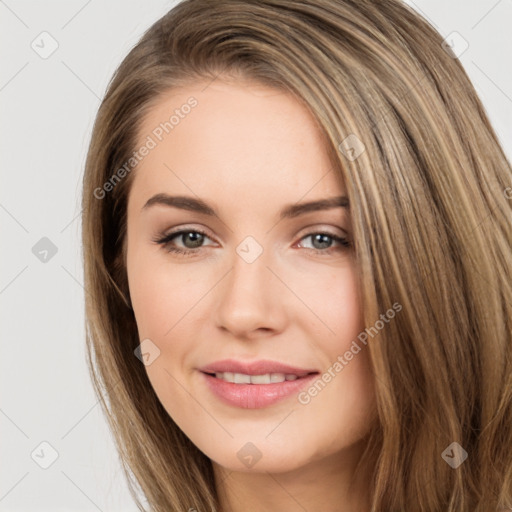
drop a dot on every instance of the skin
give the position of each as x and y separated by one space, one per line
248 151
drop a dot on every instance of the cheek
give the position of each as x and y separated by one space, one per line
336 300
173 306
344 399
170 308
162 295
163 299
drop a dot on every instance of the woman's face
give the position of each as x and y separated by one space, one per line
256 286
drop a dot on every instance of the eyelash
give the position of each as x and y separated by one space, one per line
166 242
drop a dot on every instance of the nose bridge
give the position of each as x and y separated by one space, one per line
250 275
249 297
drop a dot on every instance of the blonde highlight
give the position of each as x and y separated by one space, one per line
432 228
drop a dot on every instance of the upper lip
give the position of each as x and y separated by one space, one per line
260 367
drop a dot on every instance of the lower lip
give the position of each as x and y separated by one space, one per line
255 396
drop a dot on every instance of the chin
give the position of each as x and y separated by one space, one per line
268 463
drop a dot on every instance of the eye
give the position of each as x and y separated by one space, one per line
322 242
193 239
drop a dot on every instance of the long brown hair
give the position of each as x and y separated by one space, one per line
431 208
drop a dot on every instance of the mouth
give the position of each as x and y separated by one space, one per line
265 379
247 391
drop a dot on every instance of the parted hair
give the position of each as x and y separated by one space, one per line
431 210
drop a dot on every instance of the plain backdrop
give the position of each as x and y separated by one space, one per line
48 104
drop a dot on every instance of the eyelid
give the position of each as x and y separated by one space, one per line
185 229
344 243
166 240
307 230
319 228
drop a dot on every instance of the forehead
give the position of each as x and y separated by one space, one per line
233 139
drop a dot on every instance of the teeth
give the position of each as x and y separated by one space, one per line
241 378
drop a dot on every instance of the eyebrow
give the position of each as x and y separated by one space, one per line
288 212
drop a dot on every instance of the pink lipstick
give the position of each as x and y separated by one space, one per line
256 384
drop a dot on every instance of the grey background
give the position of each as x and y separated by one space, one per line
47 111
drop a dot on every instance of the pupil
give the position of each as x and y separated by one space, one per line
198 238
320 236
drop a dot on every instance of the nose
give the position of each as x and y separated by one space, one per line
250 301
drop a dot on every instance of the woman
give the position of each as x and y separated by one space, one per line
248 366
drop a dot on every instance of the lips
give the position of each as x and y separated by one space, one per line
254 395
260 367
